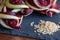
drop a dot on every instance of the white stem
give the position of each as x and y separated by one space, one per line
54 2
20 21
16 10
54 10
9 5
4 9
4 16
2 5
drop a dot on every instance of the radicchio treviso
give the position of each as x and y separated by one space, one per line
49 6
15 23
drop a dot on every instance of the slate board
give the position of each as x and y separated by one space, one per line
28 31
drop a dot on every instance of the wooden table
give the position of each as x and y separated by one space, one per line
10 37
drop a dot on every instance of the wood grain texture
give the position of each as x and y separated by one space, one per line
10 37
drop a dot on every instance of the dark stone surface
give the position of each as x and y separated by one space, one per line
28 31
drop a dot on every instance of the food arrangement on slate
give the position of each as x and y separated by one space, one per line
21 17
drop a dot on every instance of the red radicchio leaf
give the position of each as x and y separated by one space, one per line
55 6
49 13
26 12
16 2
42 12
43 2
12 22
